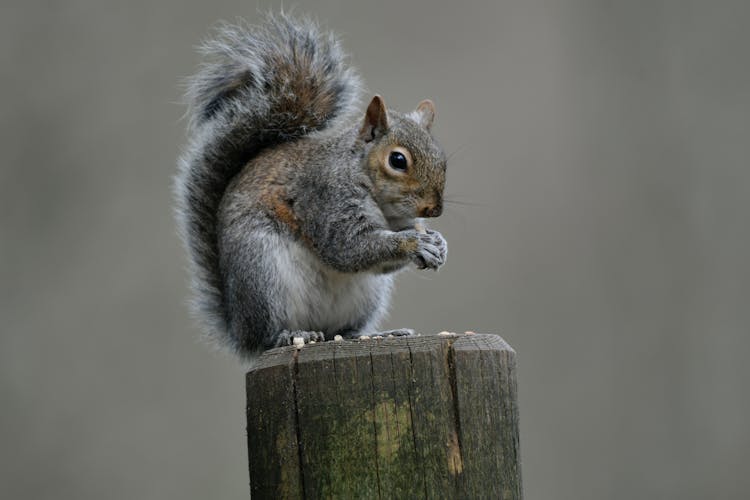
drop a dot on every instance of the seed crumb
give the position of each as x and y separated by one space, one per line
338 338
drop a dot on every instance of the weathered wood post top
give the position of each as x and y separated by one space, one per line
431 416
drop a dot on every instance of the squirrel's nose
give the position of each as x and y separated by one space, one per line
431 210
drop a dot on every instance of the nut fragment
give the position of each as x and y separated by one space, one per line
338 338
446 334
364 337
419 227
298 342
469 332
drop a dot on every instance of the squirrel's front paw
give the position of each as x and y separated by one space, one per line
431 250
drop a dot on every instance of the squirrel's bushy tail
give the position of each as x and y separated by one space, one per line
260 85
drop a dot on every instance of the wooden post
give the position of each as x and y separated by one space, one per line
411 417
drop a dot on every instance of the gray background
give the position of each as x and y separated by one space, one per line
604 147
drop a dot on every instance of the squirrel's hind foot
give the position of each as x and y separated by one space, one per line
398 332
286 337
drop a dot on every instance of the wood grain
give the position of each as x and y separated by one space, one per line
416 417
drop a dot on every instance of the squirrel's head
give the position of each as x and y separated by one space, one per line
406 164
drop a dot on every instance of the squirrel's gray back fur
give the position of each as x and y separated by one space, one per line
261 86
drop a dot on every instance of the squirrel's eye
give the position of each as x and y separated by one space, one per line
397 161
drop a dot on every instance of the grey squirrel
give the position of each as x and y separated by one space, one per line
295 216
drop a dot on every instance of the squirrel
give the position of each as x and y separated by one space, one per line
295 213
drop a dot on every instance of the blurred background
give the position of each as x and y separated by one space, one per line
603 149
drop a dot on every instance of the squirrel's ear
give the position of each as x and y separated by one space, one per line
376 120
425 113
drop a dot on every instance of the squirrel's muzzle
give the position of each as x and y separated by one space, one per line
431 206
431 210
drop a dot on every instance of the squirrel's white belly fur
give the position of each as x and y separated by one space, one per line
319 298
